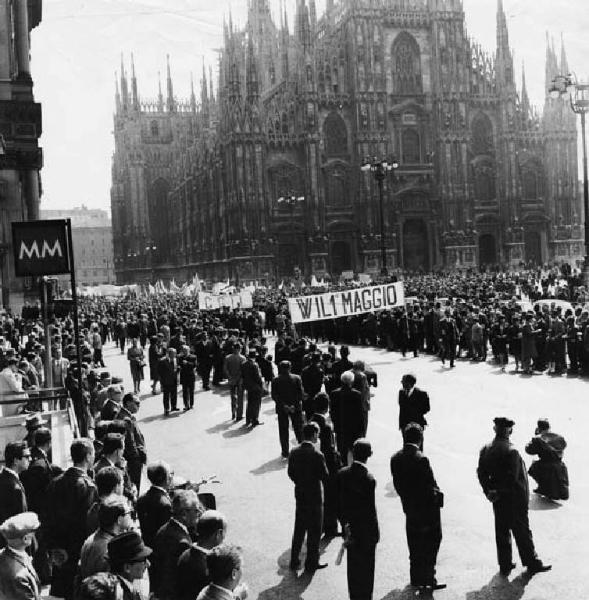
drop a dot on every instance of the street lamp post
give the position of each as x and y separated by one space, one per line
291 200
380 169
568 86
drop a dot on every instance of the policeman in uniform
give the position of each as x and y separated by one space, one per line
503 477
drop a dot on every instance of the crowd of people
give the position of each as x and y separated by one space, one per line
88 532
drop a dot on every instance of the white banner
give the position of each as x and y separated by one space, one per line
343 304
208 301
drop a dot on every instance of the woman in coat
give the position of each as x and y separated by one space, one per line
136 360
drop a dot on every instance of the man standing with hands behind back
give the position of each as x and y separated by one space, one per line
308 471
357 511
502 475
422 499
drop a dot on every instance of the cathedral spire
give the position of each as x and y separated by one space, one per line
134 94
551 64
124 88
192 94
504 58
211 93
171 103
252 86
117 93
564 63
204 96
160 96
525 100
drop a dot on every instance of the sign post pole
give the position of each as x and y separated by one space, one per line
81 413
48 368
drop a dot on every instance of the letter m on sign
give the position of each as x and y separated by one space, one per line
40 248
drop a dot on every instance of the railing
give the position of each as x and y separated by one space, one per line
43 399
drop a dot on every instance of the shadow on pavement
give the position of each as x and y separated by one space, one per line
542 503
220 427
292 585
160 417
276 464
407 593
500 588
231 433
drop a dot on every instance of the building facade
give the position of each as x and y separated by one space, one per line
483 177
21 158
92 241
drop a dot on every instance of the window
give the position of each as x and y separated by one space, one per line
411 152
337 187
155 129
335 134
482 135
406 61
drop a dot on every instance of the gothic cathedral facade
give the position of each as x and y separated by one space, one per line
261 175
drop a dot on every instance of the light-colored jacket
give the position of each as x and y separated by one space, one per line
18 579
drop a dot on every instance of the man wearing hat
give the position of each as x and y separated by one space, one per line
128 557
502 475
18 579
112 404
549 470
253 384
134 452
32 423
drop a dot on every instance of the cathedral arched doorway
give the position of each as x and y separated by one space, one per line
487 250
415 245
341 257
533 247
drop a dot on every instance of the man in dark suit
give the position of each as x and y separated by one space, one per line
342 365
357 511
112 456
253 384
422 499
332 460
308 471
502 475
347 414
168 371
287 393
170 542
36 480
13 499
193 574
312 378
134 452
154 508
70 497
413 403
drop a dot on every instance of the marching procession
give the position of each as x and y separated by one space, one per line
87 530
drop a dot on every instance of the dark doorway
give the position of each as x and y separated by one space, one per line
415 245
341 257
288 259
487 250
533 244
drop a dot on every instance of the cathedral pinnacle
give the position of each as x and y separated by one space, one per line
134 93
171 104
124 88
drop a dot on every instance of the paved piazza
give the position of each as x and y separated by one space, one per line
257 496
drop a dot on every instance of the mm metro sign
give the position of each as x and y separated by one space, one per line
40 247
